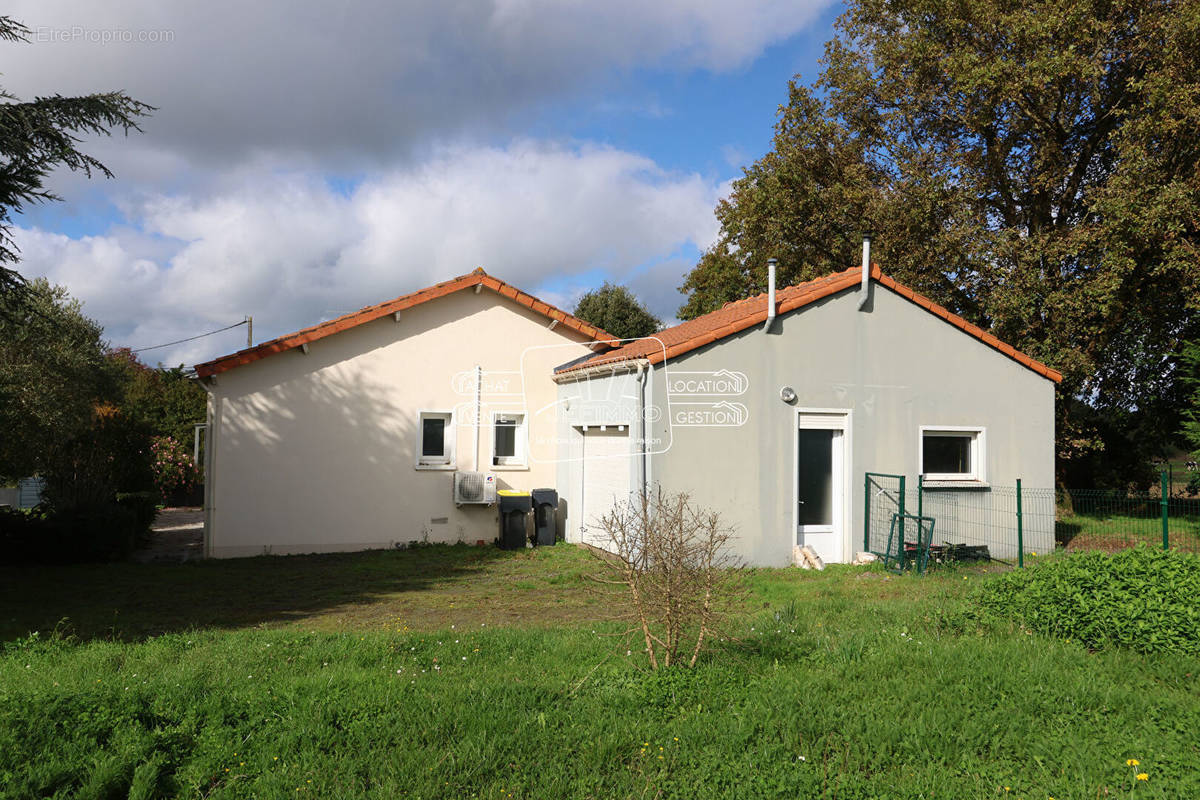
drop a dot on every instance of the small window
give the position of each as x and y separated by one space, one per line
952 454
508 440
435 436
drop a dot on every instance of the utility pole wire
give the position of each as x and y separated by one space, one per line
192 338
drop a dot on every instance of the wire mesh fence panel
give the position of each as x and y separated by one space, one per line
1092 519
990 524
983 524
909 539
1003 524
884 496
1183 518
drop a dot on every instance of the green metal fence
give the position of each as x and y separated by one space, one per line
883 497
1110 520
1004 524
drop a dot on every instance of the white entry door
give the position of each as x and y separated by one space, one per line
820 484
605 469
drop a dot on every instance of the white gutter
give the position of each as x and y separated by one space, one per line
643 375
212 421
771 262
864 291
584 373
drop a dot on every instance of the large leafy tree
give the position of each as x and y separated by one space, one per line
616 310
40 135
54 374
1030 165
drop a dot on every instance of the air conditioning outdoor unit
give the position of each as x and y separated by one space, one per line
474 487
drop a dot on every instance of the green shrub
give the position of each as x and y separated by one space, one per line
144 506
1143 599
93 532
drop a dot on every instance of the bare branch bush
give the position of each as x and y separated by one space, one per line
673 557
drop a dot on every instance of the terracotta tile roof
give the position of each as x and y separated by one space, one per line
371 313
742 314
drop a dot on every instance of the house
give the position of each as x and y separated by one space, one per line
771 410
378 428
349 435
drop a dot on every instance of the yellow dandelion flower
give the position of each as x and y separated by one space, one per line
1141 776
1131 762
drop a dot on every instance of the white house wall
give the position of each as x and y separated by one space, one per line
607 398
316 452
895 367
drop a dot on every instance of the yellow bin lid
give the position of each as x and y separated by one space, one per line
513 493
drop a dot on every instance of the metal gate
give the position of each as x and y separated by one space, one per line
883 498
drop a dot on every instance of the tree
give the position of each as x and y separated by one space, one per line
54 372
616 310
1031 166
1191 382
165 399
39 136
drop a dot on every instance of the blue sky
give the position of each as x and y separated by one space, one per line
325 161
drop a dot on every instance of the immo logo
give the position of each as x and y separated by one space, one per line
709 415
699 399
722 382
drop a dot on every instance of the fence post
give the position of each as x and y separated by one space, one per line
867 512
920 496
1020 530
902 553
1165 512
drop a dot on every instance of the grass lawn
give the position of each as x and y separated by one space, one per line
462 672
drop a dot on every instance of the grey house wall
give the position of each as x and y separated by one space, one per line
895 367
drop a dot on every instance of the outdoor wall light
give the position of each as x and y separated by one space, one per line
787 394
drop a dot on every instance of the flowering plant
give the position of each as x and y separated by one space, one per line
174 469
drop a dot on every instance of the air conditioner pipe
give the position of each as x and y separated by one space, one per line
477 410
771 262
864 291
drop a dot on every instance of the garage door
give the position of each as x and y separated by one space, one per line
606 467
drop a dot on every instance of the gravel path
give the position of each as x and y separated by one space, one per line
177 535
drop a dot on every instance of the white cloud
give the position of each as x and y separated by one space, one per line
350 84
229 199
291 250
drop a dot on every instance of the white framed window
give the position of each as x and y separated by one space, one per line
435 440
509 439
953 453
